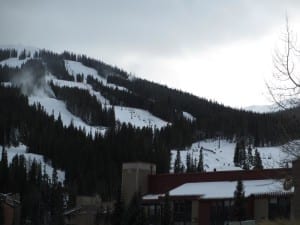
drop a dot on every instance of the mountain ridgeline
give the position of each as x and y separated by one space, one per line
92 162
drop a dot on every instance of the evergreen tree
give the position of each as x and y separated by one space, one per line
239 202
178 163
1 214
118 214
257 161
4 172
236 156
135 213
200 167
166 211
54 177
250 156
189 162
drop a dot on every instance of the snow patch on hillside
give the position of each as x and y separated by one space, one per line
221 158
13 62
57 107
188 116
75 68
262 108
138 117
21 150
80 85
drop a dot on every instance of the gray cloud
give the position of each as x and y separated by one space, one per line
150 32
152 27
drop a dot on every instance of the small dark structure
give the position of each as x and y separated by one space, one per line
11 207
296 181
89 210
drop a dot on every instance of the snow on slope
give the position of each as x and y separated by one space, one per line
21 150
138 117
222 158
75 68
262 108
80 85
16 62
188 116
13 62
52 105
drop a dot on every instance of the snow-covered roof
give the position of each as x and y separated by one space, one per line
153 196
225 189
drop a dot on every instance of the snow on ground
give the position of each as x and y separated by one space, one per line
138 117
80 85
16 62
56 107
222 158
211 190
21 150
75 68
13 62
188 116
6 84
262 108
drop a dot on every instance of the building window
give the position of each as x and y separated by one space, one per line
153 212
182 212
279 208
220 211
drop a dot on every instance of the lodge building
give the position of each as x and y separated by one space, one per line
207 198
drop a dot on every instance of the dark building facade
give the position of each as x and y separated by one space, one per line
208 198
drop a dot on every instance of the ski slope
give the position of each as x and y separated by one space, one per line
222 158
75 68
138 117
57 107
79 85
15 62
21 150
188 116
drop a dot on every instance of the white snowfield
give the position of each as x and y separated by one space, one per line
80 85
188 116
16 62
225 189
221 158
75 68
21 150
138 117
13 62
57 107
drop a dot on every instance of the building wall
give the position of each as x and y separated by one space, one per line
94 201
261 209
8 212
162 183
296 199
195 212
135 179
204 213
80 219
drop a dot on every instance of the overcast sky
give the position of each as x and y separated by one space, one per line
220 50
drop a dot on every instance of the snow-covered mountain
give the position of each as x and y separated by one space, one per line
134 116
262 108
130 100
